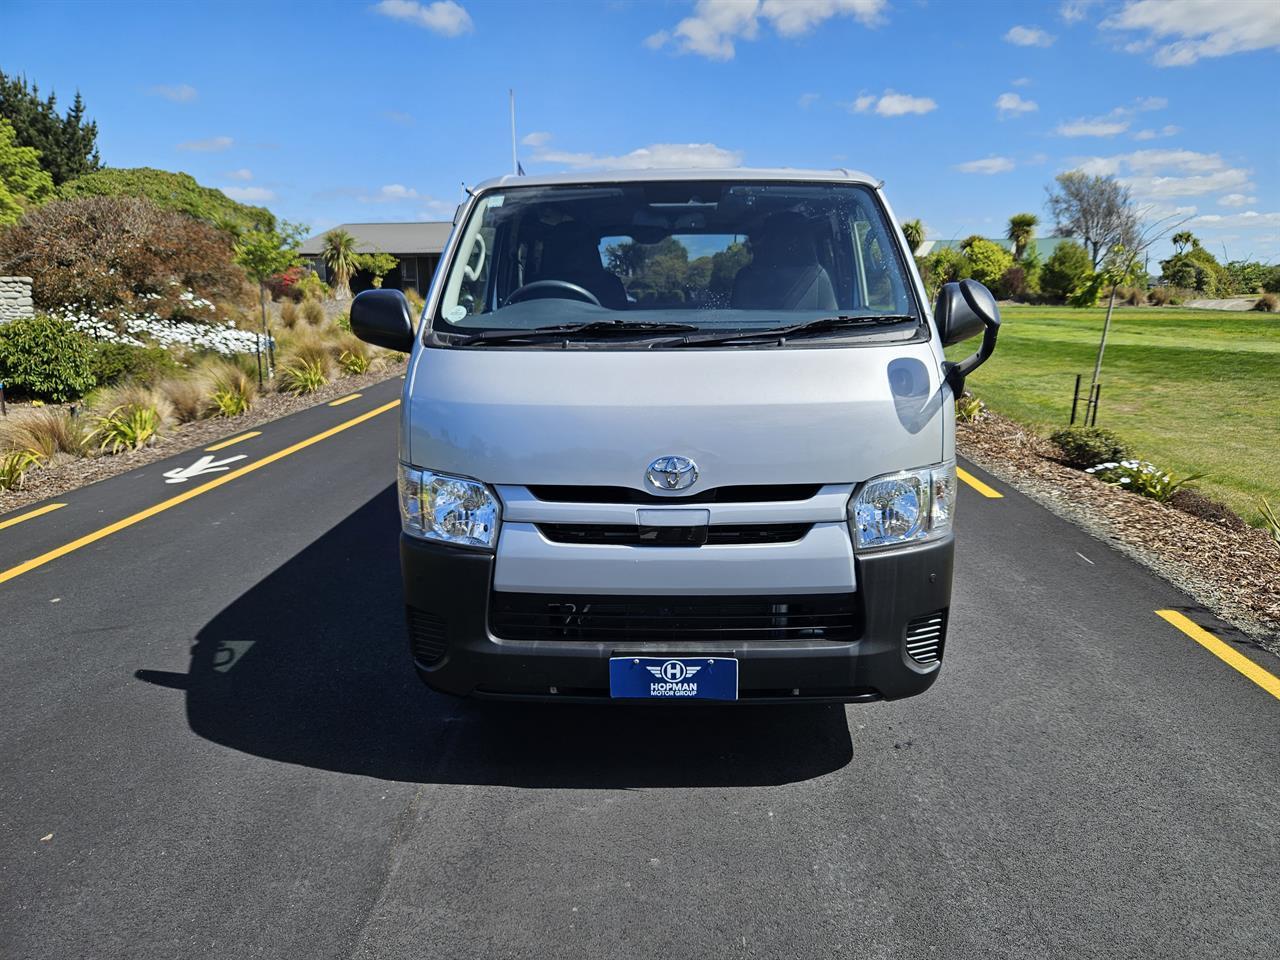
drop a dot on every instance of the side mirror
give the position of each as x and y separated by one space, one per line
383 318
964 310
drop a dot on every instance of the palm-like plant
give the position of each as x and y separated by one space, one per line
913 230
1022 230
340 256
1181 240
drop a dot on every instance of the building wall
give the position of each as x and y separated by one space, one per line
15 298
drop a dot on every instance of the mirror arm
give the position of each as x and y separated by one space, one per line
955 373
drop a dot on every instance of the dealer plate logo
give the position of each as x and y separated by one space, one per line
673 671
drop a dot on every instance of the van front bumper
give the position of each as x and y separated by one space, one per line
448 592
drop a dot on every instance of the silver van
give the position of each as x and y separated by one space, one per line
678 435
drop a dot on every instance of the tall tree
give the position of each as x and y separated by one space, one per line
340 256
22 182
1022 230
913 230
1181 240
67 144
264 254
1098 211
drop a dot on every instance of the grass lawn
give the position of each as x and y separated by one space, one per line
1193 391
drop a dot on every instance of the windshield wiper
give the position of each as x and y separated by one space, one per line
595 328
821 325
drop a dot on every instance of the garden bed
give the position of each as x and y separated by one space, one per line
1229 567
64 472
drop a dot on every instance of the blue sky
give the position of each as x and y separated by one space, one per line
332 112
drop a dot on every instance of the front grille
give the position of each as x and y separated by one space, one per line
642 536
925 637
619 620
742 493
426 635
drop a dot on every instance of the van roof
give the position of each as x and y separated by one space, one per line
780 174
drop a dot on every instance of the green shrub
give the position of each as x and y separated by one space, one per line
1268 303
1142 478
1012 284
113 362
1271 279
45 358
13 467
301 376
1087 446
343 321
126 427
1066 272
987 261
313 313
311 287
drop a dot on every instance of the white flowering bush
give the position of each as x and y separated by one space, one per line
1141 477
147 328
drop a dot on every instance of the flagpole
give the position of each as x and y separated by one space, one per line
515 161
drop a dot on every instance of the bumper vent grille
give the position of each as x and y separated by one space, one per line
925 637
426 636
635 536
627 619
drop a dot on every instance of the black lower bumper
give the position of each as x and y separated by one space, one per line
447 594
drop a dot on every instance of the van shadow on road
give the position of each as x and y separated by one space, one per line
311 667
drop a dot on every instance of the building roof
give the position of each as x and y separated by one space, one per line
631 176
401 238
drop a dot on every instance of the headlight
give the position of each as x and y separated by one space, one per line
447 509
904 507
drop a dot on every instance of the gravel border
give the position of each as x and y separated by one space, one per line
1229 567
65 473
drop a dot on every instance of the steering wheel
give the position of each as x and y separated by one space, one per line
523 293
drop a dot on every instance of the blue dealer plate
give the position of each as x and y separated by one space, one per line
673 678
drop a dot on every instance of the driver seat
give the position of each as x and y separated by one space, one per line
570 253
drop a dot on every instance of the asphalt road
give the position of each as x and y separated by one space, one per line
213 745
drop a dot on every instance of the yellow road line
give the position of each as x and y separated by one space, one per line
39 511
1225 652
226 443
186 495
347 399
978 485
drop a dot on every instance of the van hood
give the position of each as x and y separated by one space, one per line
744 416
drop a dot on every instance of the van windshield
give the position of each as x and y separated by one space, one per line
716 256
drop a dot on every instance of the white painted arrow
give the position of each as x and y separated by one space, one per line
203 465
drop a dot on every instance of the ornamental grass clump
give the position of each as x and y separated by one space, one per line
45 432
969 408
313 313
126 427
300 376
14 466
232 389
187 395
1142 478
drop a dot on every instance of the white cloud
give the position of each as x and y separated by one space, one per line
698 156
445 17
249 194
1021 81
178 93
1181 32
1236 200
1011 105
1021 36
398 117
1168 130
537 138
244 173
716 24
209 145
1158 175
1073 11
1250 218
987 165
807 100
1092 127
1150 103
893 104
